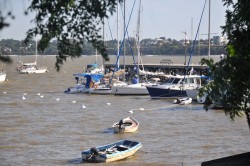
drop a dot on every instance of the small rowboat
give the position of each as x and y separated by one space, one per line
112 152
126 125
183 101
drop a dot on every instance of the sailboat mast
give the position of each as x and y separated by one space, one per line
118 49
36 53
103 39
124 31
209 9
138 38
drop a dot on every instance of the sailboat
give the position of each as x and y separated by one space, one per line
136 88
194 93
2 73
28 68
2 76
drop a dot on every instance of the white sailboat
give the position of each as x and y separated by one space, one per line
2 73
136 88
28 68
194 93
2 76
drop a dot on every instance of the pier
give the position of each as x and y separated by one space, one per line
163 64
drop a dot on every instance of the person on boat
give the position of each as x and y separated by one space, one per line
88 81
135 80
120 124
77 80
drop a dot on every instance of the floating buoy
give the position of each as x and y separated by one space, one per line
83 106
38 94
23 98
73 101
108 103
57 99
131 111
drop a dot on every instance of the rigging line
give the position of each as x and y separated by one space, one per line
111 36
126 32
190 57
123 38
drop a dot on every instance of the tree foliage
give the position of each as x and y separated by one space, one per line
231 82
71 23
4 24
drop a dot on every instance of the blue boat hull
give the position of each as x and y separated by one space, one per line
156 92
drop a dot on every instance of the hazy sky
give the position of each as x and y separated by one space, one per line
159 18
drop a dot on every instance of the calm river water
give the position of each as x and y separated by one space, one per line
52 128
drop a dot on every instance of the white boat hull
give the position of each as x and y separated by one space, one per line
2 77
33 70
102 91
194 94
133 89
126 125
183 101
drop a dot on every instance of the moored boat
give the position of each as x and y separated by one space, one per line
85 83
2 77
29 68
183 101
126 125
175 86
111 152
33 69
132 89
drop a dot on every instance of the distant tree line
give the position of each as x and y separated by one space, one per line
148 47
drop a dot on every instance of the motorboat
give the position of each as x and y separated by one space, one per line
175 86
78 88
111 152
85 83
183 101
126 125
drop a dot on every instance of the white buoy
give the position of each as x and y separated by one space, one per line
141 109
83 106
108 103
73 101
38 94
23 98
57 99
131 111
41 96
4 92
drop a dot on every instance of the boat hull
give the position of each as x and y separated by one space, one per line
2 77
77 89
134 89
33 70
126 125
157 92
192 93
102 91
